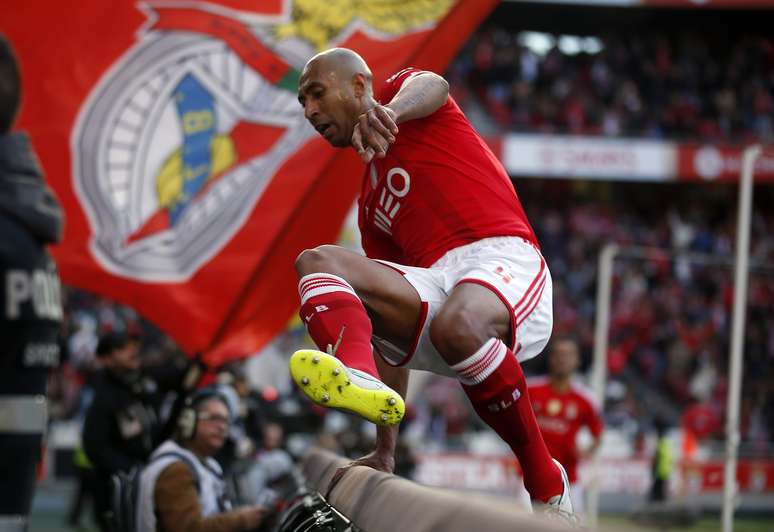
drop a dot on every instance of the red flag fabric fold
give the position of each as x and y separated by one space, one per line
172 134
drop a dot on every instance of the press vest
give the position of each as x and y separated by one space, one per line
212 487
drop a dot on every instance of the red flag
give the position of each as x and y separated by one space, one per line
172 134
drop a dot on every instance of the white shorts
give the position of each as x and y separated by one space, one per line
509 266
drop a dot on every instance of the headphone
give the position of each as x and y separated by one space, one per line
188 418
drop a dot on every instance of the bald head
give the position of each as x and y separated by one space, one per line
335 89
342 61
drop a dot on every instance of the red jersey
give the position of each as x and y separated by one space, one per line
439 187
561 416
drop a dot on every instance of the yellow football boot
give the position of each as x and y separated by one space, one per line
328 382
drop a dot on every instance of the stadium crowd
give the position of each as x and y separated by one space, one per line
671 314
670 320
690 85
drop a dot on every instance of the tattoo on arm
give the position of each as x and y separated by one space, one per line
419 99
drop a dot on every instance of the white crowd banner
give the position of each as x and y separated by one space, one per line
616 159
561 156
621 475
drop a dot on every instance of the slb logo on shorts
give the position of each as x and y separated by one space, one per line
504 403
396 187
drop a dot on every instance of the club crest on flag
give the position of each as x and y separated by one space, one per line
180 138
171 133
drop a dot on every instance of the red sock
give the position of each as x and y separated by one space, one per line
334 314
494 382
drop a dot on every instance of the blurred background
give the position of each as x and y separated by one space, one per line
619 121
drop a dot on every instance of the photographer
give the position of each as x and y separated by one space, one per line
182 489
122 425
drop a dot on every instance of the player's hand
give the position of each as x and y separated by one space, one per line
374 132
375 460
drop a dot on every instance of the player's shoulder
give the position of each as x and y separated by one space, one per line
396 81
393 84
585 393
403 75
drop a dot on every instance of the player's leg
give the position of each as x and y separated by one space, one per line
468 333
345 298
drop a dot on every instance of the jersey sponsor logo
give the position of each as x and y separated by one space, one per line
553 407
40 289
180 138
553 424
395 188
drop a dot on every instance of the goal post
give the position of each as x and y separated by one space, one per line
599 365
607 257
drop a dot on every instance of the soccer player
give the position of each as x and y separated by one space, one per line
453 281
563 406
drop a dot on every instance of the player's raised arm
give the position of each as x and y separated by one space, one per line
420 96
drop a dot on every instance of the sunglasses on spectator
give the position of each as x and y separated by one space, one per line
204 416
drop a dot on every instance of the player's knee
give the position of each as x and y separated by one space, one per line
458 332
321 259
